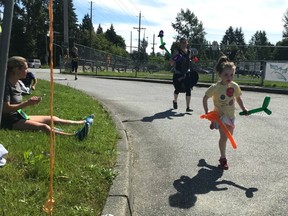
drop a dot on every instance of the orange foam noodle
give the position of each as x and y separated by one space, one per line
214 117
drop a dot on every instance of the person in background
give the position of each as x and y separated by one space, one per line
74 61
29 83
14 118
224 93
181 61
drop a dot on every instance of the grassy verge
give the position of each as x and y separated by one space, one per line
83 170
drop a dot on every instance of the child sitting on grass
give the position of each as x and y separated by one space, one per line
14 118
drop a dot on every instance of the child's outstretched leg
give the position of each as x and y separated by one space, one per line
56 120
222 147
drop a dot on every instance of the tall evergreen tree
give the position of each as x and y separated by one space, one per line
229 37
187 25
228 42
280 53
29 31
259 38
99 30
86 23
285 20
239 37
84 31
258 49
115 39
59 22
233 42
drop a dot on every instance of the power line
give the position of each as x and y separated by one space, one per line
125 8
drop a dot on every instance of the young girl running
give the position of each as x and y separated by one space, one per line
224 93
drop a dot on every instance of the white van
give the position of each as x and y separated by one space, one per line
34 63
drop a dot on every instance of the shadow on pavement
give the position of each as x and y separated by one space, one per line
204 182
169 114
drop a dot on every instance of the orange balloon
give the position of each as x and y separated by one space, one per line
214 117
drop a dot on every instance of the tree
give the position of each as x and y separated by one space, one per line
259 47
229 37
285 20
58 25
187 25
259 38
233 42
280 53
30 26
100 42
239 37
99 30
85 28
59 21
115 39
140 55
86 24
29 31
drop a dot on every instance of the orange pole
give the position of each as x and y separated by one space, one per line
48 206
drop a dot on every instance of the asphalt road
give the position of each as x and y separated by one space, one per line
174 154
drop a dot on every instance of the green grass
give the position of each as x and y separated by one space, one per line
83 170
158 75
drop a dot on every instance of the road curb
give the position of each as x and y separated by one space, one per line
118 200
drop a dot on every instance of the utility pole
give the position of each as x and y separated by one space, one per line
130 42
139 31
66 33
91 24
153 44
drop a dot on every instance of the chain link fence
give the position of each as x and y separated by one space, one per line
92 60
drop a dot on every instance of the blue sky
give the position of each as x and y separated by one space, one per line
216 15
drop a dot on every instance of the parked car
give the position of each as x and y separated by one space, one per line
34 63
257 73
242 72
